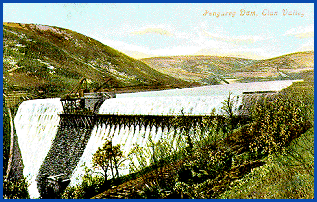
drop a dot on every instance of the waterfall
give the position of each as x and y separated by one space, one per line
124 136
173 105
37 123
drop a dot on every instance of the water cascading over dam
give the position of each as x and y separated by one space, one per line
52 143
36 124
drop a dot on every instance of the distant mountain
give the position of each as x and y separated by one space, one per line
51 60
208 70
294 61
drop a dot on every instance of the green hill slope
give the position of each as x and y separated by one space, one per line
39 58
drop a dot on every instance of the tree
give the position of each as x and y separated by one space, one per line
108 156
228 107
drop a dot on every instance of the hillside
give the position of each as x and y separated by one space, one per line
214 70
50 61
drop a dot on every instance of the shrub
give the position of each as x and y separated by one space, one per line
15 189
90 186
277 123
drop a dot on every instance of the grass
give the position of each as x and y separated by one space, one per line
282 176
288 174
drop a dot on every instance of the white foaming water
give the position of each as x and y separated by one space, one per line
192 101
37 121
36 124
126 137
173 105
215 90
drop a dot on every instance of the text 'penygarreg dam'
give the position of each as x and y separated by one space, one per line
57 136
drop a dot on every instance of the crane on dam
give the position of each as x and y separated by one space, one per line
81 100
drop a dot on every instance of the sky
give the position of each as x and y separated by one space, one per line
251 30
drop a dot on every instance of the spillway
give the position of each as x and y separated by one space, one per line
37 123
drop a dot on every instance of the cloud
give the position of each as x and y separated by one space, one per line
137 54
176 50
308 46
249 53
153 30
125 47
209 47
244 39
301 32
201 42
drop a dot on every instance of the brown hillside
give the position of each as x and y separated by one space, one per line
214 70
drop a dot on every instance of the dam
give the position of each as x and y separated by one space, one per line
56 144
